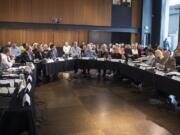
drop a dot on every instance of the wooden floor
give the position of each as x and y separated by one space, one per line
97 107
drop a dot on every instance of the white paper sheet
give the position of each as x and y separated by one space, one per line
70 58
176 78
100 59
160 73
115 60
173 73
85 58
4 90
142 67
10 82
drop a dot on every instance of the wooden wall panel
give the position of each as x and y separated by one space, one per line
136 19
83 12
40 36
59 37
11 35
83 36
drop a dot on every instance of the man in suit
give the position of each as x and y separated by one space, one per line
7 60
28 55
103 53
39 53
128 52
53 52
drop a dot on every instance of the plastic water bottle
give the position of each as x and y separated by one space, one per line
173 100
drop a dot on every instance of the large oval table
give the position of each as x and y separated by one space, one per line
161 83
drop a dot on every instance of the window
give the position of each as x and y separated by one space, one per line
174 2
126 3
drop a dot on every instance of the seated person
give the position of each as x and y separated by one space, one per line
112 48
66 49
169 62
52 54
82 44
115 53
23 47
15 50
121 51
94 48
7 60
83 49
140 50
75 53
176 55
150 58
46 50
39 54
28 55
34 47
128 52
75 50
159 59
89 53
103 53
135 51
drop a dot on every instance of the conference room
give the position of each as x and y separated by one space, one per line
89 67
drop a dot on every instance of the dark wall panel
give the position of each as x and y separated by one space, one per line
121 37
121 16
100 37
156 21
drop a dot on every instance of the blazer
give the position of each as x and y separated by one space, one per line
39 55
27 57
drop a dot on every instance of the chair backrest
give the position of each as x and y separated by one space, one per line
178 61
28 87
29 78
26 100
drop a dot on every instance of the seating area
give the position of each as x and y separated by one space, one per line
89 67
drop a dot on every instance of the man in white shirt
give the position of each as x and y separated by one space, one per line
7 60
66 48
